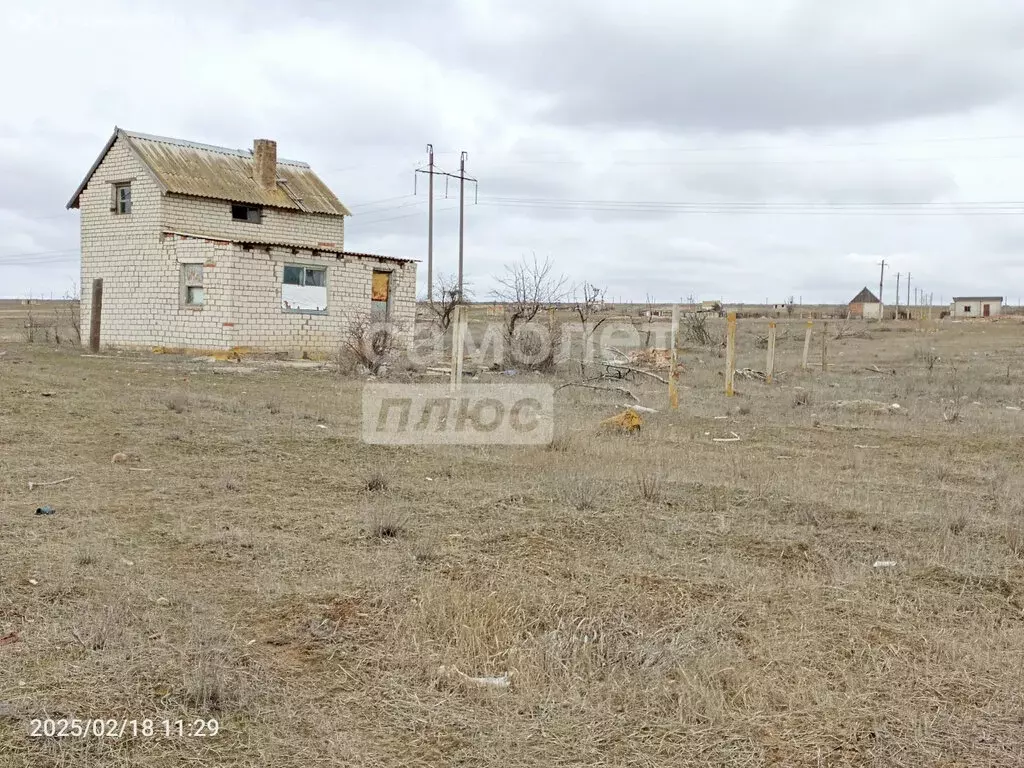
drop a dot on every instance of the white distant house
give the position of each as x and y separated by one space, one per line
207 247
976 306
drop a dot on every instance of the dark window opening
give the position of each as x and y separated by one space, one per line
248 213
122 198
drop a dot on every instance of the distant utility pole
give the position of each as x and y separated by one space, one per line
881 301
897 295
463 178
908 290
430 221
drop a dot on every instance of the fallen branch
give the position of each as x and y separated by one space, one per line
138 469
641 408
866 446
735 438
623 390
32 485
630 369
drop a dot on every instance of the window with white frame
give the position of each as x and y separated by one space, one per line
193 294
303 288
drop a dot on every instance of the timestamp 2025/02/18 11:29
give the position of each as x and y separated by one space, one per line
129 728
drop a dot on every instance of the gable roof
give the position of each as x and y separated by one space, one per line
864 297
202 170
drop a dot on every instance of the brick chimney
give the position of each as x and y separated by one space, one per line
264 163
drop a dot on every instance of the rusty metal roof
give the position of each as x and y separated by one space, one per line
864 297
203 170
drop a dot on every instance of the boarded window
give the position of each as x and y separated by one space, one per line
380 295
304 289
192 285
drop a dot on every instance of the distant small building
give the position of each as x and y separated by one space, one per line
865 306
977 306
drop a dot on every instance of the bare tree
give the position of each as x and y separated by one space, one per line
370 344
446 298
527 287
588 300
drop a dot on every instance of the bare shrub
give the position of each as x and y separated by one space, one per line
588 300
446 298
582 493
527 287
371 345
801 398
649 486
696 331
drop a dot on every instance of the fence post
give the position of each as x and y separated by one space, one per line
807 343
457 351
824 348
95 312
730 356
673 361
770 367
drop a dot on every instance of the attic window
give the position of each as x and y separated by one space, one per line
123 198
250 213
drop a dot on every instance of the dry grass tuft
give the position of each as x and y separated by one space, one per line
1014 537
562 443
178 403
377 482
957 525
385 523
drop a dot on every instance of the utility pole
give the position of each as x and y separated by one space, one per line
463 178
908 291
462 213
430 226
897 295
430 221
881 300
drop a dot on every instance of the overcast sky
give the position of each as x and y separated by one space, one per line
745 149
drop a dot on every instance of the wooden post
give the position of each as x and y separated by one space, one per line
458 323
824 348
770 367
730 356
673 361
95 313
807 343
551 318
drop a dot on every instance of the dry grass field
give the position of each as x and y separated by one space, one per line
658 599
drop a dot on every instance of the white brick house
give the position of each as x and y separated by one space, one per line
202 247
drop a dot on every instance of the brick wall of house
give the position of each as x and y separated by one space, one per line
243 306
143 296
202 216
123 249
